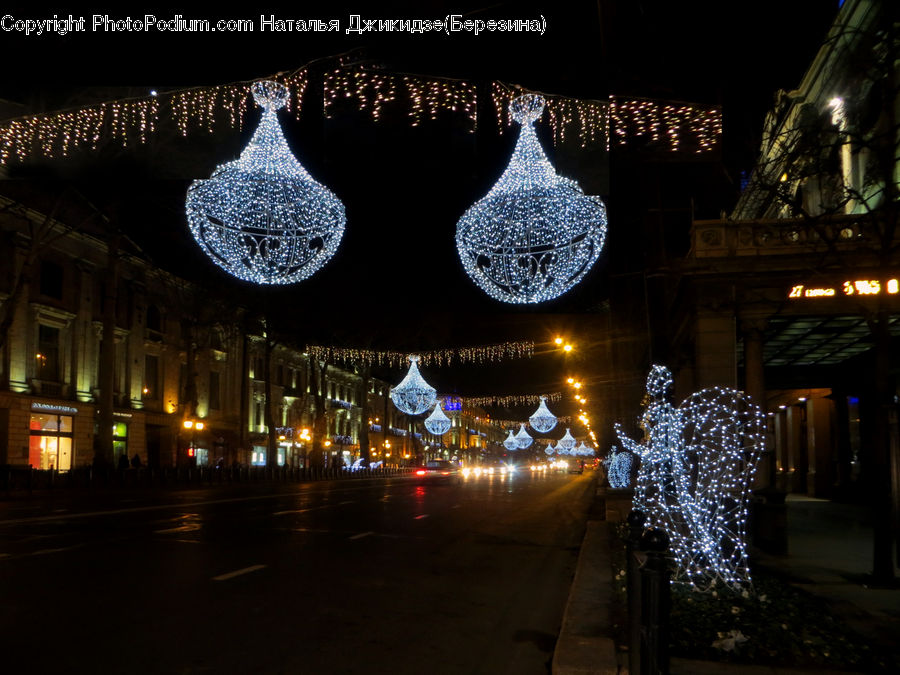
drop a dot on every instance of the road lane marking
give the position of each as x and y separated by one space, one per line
342 503
190 527
361 535
284 513
455 506
424 515
45 551
237 573
5 555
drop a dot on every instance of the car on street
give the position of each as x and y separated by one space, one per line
442 470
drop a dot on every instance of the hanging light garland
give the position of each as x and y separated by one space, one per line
697 466
511 400
671 126
262 217
439 357
437 422
413 395
543 420
535 234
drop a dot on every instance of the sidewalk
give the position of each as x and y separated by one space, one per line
829 552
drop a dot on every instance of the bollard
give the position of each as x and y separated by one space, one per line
635 520
655 604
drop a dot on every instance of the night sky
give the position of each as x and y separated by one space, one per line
396 281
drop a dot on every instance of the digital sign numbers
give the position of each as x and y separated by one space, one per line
861 287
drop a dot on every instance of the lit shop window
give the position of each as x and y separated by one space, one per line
50 442
120 441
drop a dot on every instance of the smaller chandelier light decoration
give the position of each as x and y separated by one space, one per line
262 218
523 438
542 420
550 449
413 395
511 443
618 468
697 466
535 234
583 450
566 443
437 422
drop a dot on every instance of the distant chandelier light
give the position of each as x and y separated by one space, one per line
535 234
550 449
511 443
413 395
542 420
523 438
437 422
262 218
566 443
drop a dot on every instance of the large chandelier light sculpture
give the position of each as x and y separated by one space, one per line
697 466
542 420
511 443
437 422
523 438
535 234
413 395
262 217
567 443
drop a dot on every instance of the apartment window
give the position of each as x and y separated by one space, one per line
151 377
154 324
47 357
214 391
51 280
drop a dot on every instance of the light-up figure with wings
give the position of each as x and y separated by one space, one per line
697 464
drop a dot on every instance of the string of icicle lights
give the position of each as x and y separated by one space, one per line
438 357
695 475
506 401
618 122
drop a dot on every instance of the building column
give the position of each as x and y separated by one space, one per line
715 360
796 455
755 388
819 476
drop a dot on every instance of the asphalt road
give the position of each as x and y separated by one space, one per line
369 576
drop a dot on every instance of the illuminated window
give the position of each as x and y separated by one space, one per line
120 441
47 357
50 441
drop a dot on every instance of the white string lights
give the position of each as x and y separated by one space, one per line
511 400
535 234
437 422
697 465
262 217
542 420
438 357
413 395
618 468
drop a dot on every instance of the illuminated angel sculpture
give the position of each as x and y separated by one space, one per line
697 466
618 468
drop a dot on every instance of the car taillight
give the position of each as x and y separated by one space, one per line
445 473
420 472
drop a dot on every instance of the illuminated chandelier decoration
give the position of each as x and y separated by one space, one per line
535 234
618 468
523 438
437 422
413 395
511 443
583 450
567 443
542 420
697 466
262 218
550 449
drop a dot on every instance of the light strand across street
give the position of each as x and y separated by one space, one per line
437 357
